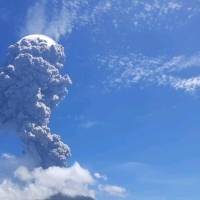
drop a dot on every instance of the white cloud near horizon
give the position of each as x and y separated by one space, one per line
19 182
22 180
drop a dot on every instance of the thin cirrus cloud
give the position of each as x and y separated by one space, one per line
73 14
179 72
89 124
113 190
132 69
152 14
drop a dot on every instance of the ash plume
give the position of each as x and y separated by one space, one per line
31 86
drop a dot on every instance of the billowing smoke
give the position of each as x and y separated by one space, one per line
30 87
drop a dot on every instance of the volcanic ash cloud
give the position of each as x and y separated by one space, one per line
30 87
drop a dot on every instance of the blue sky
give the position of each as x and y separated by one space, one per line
132 112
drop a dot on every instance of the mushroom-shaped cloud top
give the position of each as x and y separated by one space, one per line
39 46
49 41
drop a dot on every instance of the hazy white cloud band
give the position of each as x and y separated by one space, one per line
23 183
21 180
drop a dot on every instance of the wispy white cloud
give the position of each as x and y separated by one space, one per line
7 156
180 72
113 190
89 124
149 14
84 121
56 18
36 19
59 17
100 176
